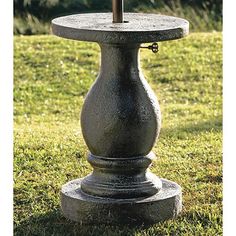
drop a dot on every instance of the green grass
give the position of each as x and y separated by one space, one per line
52 77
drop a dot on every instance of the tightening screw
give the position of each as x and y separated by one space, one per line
154 47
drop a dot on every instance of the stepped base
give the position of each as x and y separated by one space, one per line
87 209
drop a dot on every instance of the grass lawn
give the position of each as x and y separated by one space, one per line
52 77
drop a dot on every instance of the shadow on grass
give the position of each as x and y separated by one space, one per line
54 224
205 126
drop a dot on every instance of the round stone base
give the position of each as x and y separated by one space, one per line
87 209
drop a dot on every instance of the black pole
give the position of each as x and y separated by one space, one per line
118 9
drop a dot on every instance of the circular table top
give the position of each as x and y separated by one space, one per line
137 28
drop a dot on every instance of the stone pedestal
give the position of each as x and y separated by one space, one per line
89 209
120 122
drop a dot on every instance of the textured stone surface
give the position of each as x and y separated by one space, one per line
121 116
121 177
140 28
120 122
87 209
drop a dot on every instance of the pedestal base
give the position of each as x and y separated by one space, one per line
87 209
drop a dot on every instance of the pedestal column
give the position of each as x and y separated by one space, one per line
120 122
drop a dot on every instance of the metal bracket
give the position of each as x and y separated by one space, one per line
154 47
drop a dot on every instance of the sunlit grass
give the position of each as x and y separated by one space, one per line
52 77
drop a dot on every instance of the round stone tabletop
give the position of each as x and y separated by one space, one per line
137 28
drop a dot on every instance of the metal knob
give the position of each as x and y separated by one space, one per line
154 47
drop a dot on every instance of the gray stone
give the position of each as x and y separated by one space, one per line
140 28
120 122
87 209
